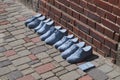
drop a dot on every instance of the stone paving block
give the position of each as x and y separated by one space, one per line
64 63
16 32
16 43
53 78
32 57
27 77
36 65
38 49
36 76
18 24
10 40
8 37
58 58
27 71
32 35
48 46
87 77
73 75
97 74
35 40
117 78
13 57
2 49
21 61
9 53
55 54
20 49
46 60
47 75
4 71
61 72
8 47
6 62
105 68
14 75
57 69
53 50
5 26
42 55
22 67
3 58
44 68
40 43
1 55
20 36
55 63
31 47
113 74
11 67
24 53
28 44
71 67
33 62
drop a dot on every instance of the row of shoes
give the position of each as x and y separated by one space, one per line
72 50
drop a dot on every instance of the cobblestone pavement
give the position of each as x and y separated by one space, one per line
24 57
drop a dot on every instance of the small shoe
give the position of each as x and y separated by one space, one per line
36 22
67 44
54 37
49 32
72 49
41 24
45 27
80 54
63 40
32 19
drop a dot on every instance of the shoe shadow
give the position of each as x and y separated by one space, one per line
90 58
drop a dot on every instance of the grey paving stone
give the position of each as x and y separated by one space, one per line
22 67
73 75
113 74
16 43
28 44
14 75
4 71
71 67
20 36
58 58
33 62
61 72
55 54
12 67
57 69
38 49
105 68
5 26
36 76
117 78
50 51
6 63
24 53
2 49
64 63
47 75
3 58
53 78
97 74
27 71
46 60
42 55
21 61
8 37
13 57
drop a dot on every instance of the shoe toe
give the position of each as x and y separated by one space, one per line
72 59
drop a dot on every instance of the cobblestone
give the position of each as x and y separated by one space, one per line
47 75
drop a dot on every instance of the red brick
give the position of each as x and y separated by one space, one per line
90 1
76 1
48 6
110 25
4 22
57 18
2 11
35 40
27 77
83 19
100 28
101 52
89 39
57 4
91 7
118 20
51 14
82 34
83 3
70 26
27 39
92 15
76 7
108 32
101 12
65 2
116 10
111 17
57 12
75 30
63 22
111 43
87 77
32 57
104 5
82 26
91 23
106 49
97 43
43 3
44 68
115 2
114 53
97 35
69 11
117 37
76 15
10 53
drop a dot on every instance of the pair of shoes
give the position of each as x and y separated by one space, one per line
43 29
41 24
32 19
56 36
79 55
35 22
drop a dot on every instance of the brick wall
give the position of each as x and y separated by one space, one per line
97 22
